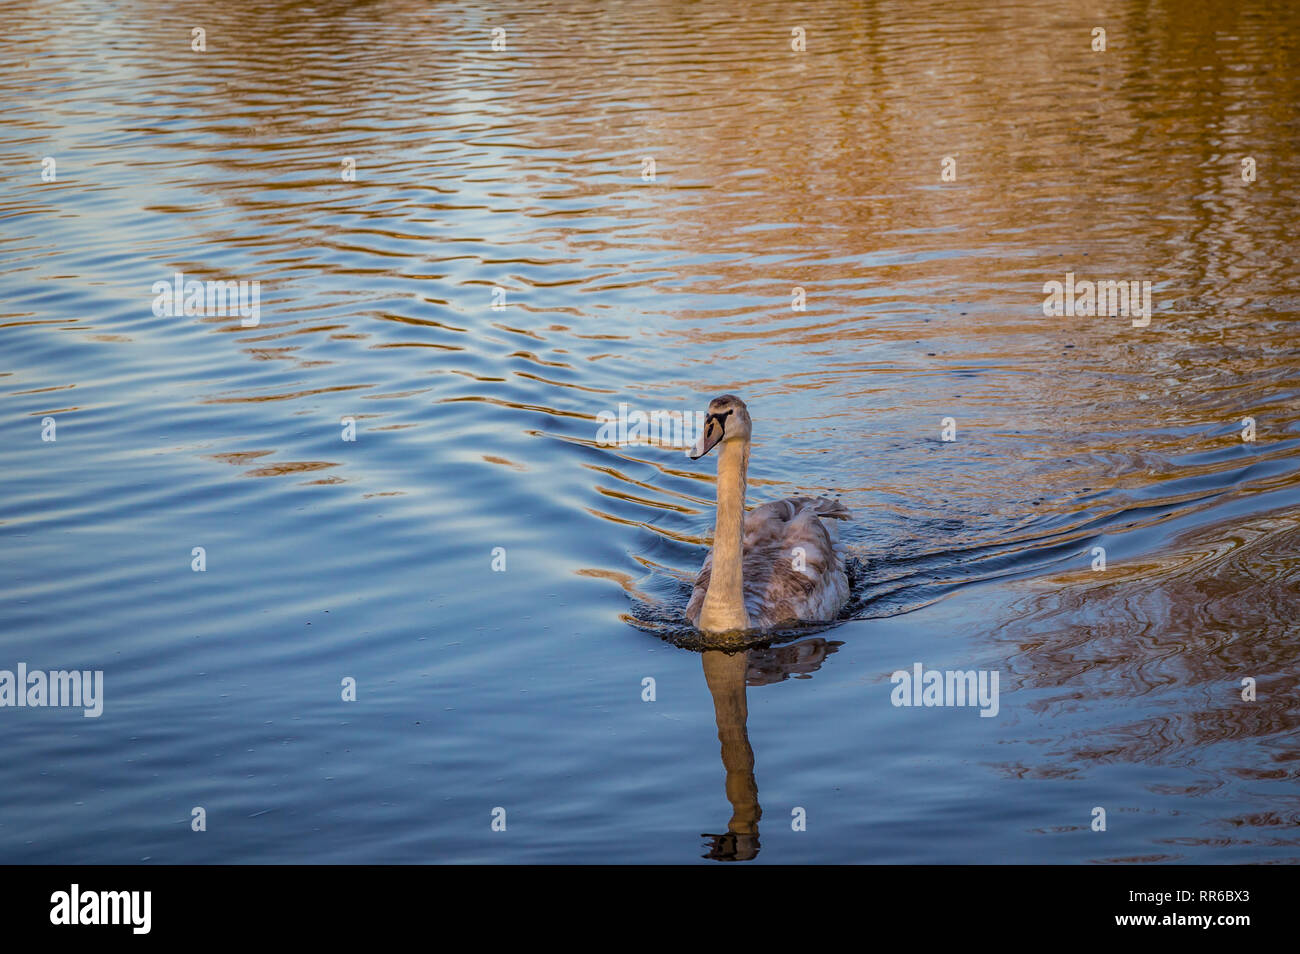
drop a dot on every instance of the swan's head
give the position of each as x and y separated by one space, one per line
726 420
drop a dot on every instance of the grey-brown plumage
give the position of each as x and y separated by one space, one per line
779 537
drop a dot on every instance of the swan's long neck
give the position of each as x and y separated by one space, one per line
724 603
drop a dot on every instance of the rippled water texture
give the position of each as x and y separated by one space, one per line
525 169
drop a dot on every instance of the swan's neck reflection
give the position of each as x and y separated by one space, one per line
725 674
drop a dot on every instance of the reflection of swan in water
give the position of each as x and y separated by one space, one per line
727 675
780 563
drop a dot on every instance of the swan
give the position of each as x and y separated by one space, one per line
756 576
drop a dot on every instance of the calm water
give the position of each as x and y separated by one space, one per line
476 428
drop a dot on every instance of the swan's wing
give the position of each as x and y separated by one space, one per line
822 506
794 565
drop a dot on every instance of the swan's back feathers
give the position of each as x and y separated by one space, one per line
789 508
793 564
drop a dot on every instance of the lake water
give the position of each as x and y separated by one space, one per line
525 169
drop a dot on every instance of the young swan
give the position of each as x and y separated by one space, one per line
780 563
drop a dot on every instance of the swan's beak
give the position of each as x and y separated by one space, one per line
714 425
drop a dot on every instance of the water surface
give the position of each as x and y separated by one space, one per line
522 169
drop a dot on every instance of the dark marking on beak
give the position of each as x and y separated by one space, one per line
709 439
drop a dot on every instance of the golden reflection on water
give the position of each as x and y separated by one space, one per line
1157 658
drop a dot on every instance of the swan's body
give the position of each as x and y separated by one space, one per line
781 562
773 591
